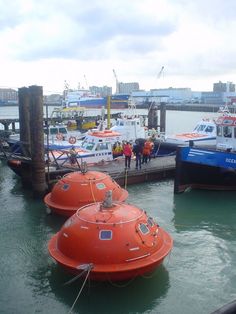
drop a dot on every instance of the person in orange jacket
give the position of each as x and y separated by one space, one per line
127 151
147 148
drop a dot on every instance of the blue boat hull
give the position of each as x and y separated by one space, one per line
204 169
97 103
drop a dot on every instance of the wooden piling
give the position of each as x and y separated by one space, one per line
24 117
153 116
37 140
162 117
13 127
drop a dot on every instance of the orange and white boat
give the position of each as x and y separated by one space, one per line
96 146
110 241
77 189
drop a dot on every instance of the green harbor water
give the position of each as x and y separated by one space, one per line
198 276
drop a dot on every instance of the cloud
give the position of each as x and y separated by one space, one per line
68 32
194 40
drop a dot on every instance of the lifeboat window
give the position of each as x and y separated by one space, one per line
150 221
105 235
143 228
219 130
65 187
100 186
227 131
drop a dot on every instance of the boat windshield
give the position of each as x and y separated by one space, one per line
200 128
88 145
62 130
209 129
119 123
55 130
102 146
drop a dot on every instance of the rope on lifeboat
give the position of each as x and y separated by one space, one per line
91 188
90 267
75 278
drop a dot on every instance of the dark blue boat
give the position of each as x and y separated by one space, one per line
213 169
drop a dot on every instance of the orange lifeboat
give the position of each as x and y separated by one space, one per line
77 189
116 242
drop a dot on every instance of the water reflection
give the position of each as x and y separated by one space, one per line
55 222
213 211
140 295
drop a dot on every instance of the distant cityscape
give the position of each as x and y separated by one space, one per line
222 93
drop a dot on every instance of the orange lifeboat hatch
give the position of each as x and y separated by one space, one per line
77 189
118 242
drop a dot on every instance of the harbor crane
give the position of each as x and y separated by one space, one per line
161 72
117 82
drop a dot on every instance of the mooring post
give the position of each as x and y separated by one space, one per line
13 127
37 140
152 116
24 118
163 117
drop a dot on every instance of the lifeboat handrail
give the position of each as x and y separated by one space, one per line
138 257
107 223
85 180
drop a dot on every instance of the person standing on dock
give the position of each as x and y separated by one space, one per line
147 148
117 150
127 150
137 150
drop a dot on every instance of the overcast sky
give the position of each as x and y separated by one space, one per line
46 42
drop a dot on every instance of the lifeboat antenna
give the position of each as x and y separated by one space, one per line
83 167
107 203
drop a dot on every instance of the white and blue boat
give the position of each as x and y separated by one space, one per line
214 168
84 98
203 134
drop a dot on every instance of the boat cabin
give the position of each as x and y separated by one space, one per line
100 140
205 126
130 128
54 130
59 134
226 133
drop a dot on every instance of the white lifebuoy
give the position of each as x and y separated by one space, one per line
72 140
59 136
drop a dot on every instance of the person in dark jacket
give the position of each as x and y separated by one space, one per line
137 150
